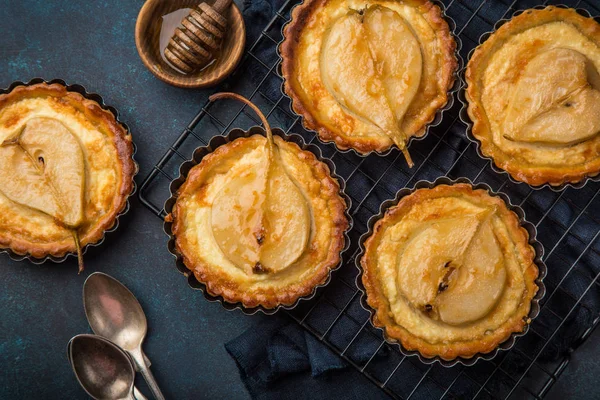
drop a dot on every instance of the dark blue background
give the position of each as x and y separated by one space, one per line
92 43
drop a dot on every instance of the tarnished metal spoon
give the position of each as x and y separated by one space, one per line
114 313
104 370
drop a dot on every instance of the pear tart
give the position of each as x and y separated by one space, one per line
534 95
259 221
66 170
368 74
449 272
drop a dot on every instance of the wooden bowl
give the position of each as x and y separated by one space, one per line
147 36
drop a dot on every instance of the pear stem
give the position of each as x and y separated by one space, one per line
263 119
79 254
407 156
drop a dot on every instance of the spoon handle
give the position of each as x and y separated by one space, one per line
138 358
138 395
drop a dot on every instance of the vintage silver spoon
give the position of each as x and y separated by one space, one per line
114 313
102 368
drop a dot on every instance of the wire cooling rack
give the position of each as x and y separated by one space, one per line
566 222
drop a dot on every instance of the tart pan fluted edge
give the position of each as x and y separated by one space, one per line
310 125
533 242
197 157
98 99
466 119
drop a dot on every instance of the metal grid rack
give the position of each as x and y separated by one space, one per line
566 223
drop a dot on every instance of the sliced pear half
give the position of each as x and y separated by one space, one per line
452 268
371 64
237 216
43 168
397 54
555 101
478 281
261 219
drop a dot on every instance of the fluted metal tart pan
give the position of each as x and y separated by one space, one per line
464 115
437 119
98 99
533 242
197 157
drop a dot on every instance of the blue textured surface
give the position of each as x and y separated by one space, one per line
92 43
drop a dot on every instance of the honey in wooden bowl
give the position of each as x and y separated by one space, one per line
156 24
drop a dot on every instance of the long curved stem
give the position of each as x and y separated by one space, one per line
263 119
79 253
407 156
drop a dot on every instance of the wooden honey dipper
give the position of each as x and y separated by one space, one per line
196 44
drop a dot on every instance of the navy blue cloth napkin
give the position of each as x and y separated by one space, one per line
279 360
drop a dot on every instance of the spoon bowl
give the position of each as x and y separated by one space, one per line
103 370
113 311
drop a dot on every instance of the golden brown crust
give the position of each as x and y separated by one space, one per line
303 14
219 283
122 142
376 298
529 173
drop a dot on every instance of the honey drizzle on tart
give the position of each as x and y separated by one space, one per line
352 86
449 272
259 221
533 93
66 196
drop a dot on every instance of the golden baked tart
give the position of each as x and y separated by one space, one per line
368 74
534 95
66 170
259 221
449 272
